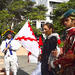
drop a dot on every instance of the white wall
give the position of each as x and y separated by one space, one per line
59 0
50 9
38 24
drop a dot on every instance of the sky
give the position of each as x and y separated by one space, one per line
33 0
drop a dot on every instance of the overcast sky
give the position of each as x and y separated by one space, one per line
33 0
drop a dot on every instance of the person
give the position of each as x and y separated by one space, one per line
9 47
48 46
68 58
37 71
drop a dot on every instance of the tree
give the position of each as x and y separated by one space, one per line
72 0
38 12
4 4
5 20
20 8
28 11
18 11
61 9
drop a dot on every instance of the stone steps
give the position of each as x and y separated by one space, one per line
2 71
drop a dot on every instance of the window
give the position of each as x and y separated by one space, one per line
34 22
53 4
42 23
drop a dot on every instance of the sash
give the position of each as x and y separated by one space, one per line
10 46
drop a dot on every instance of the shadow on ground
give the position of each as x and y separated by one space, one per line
21 72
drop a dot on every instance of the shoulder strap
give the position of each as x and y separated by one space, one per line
10 46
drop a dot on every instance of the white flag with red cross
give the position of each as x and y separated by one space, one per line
28 40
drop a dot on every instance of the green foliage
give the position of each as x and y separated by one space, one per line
37 32
72 0
20 6
38 12
4 4
5 20
12 10
61 9
62 44
18 26
4 15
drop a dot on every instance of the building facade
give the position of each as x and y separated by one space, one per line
50 4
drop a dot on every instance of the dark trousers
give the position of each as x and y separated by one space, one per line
44 69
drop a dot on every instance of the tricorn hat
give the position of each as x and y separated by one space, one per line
8 31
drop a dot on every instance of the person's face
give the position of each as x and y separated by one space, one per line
9 36
67 22
46 30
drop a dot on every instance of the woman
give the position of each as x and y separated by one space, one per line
48 47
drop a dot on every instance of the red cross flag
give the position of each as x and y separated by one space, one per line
28 40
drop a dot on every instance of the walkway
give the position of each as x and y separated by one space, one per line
24 68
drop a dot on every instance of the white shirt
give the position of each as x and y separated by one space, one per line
15 45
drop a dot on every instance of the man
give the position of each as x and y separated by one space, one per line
9 47
68 18
68 58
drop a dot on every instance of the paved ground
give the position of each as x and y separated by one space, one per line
25 68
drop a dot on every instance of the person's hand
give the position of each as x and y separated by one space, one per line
39 57
49 67
5 49
8 46
61 50
54 53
